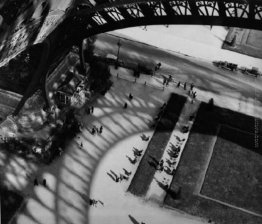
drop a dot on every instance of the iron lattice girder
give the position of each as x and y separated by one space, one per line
238 13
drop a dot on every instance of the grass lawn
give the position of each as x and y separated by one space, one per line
236 149
10 202
145 172
238 172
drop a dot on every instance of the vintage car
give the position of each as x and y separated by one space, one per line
226 65
253 71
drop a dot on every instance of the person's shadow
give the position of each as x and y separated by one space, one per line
133 219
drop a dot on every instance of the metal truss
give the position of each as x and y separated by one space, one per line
106 15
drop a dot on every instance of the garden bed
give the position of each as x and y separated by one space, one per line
217 164
145 172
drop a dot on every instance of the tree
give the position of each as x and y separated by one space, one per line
88 48
99 77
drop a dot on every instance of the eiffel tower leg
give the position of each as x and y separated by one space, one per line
35 82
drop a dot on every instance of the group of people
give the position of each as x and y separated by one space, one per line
90 110
36 183
167 80
96 130
144 137
120 177
130 97
192 93
94 202
137 153
158 65
158 165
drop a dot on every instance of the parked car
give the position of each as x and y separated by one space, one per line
112 59
226 65
253 71
145 69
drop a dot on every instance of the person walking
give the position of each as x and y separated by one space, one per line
92 109
125 105
194 95
35 182
164 80
101 129
128 173
96 129
44 182
123 177
163 106
185 86
191 86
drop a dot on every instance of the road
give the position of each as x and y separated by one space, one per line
203 74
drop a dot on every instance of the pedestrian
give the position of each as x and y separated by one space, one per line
125 105
170 78
60 150
163 106
161 163
35 182
178 84
81 145
44 182
164 80
92 202
92 109
102 203
185 86
123 177
133 161
96 129
93 131
191 86
126 172
130 96
101 129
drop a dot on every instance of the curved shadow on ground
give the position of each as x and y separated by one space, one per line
74 170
